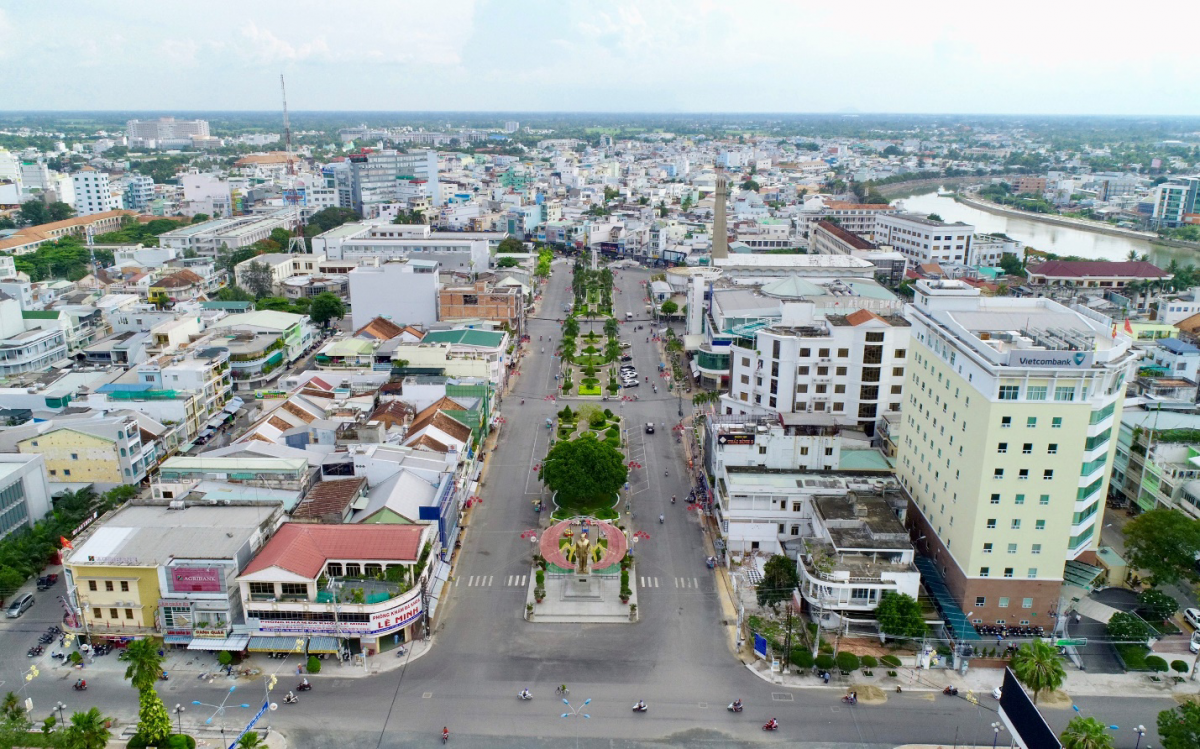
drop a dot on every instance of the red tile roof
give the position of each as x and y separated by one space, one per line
849 238
861 316
329 499
1101 268
303 548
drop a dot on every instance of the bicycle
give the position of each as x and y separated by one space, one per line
562 690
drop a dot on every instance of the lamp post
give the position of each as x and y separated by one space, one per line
1140 731
60 707
220 710
179 718
997 727
574 713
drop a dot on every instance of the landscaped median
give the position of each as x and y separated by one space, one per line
585 468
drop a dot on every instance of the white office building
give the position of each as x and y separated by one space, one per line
403 291
463 252
924 240
207 237
93 194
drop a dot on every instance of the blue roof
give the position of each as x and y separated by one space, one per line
1176 346
117 387
956 620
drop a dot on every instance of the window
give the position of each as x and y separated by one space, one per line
1002 448
91 585
1005 422
804 354
1026 603
128 613
1056 422
1012 548
987 548
1039 525
991 523
262 590
294 589
74 456
108 585
1035 392
1027 448
1047 474
112 613
980 601
1016 524
1020 499
124 586
67 471
1023 474
1010 392
1035 549
1008 571
1052 448
1064 393
802 370
995 499
1032 573
998 473
1044 500
823 353
901 353
840 371
984 571
1003 603
844 353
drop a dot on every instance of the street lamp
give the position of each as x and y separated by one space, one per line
179 717
62 721
1140 731
219 710
997 727
574 713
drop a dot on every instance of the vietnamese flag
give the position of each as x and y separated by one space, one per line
65 543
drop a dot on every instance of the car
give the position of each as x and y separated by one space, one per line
1192 617
628 372
626 344
626 357
45 582
627 367
1194 645
19 606
649 427
631 384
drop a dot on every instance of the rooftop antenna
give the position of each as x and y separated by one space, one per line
290 196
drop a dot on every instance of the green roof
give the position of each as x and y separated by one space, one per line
41 315
465 337
226 305
863 460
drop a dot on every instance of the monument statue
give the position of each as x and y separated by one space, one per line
583 547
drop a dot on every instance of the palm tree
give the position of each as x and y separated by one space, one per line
145 663
1132 256
88 731
11 707
250 740
1086 733
1037 666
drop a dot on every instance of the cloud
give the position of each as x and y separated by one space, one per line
266 48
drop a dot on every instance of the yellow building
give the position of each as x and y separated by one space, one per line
106 451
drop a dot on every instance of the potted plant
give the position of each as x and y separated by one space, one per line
529 611
633 612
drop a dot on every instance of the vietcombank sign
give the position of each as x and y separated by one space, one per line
1054 359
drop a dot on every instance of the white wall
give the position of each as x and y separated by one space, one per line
393 291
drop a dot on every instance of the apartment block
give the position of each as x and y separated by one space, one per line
93 194
1003 399
24 492
924 240
483 301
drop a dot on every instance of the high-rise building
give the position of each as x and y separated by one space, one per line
512 126
375 177
166 128
93 194
1174 200
1004 398
720 242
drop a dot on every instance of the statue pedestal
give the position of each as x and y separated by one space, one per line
581 587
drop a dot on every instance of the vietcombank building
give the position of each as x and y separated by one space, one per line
1007 437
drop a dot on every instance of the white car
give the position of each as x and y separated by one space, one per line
1192 617
1194 645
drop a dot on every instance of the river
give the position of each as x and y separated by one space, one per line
1060 240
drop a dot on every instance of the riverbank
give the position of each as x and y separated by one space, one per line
1095 227
905 189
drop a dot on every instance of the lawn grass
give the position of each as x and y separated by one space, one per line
1134 656
597 507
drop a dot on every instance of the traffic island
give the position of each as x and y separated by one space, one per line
579 577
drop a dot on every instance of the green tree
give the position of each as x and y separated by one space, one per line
314 665
234 293
11 707
1165 543
200 218
508 262
1180 728
583 468
154 722
899 615
258 279
1012 264
935 217
88 730
250 740
1085 733
611 328
1158 605
6 222
1127 628
326 306
33 212
511 244
611 193
1038 667
779 580
669 307
145 663
59 211
281 237
750 185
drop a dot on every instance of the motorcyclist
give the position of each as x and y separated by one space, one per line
661 518
445 734
80 684
525 694
641 705
737 704
290 697
772 724
672 499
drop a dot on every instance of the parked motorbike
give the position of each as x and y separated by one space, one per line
34 651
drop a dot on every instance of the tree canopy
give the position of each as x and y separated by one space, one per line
134 232
1165 543
899 615
1127 628
1180 728
258 279
1158 605
326 306
1086 733
779 580
1037 665
584 467
511 244
35 212
669 307
65 258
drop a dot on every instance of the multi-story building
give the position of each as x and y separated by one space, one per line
93 194
165 570
987 249
1174 200
1029 185
483 301
461 252
404 291
282 267
165 131
1157 463
1004 398
208 237
295 331
139 191
374 177
96 448
830 239
28 239
1093 274
204 373
925 240
24 492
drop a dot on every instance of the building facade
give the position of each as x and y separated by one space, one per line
924 240
93 194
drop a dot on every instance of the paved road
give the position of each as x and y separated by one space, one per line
676 657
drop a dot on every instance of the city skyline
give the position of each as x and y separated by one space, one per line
554 57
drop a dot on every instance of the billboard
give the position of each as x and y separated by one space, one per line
195 579
1055 359
735 439
1029 729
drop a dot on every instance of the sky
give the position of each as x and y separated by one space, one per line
921 56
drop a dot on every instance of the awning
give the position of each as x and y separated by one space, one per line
268 644
234 643
233 405
216 420
177 639
323 645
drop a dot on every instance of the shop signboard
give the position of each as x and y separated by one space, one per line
186 579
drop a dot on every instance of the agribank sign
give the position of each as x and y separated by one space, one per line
1054 359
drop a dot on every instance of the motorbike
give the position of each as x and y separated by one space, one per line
771 725
79 686
849 699
36 650
445 736
661 519
58 656
303 687
401 651
524 695
640 708
672 499
522 401
290 699
950 691
734 707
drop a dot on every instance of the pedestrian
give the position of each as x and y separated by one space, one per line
299 670
825 676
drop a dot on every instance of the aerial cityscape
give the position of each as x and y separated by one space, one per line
633 375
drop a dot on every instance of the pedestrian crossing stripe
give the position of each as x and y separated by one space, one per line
479 581
684 582
649 582
516 580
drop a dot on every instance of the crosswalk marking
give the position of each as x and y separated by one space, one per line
684 582
479 581
516 580
649 582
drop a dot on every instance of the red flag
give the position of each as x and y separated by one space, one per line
1114 330
65 543
1128 327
